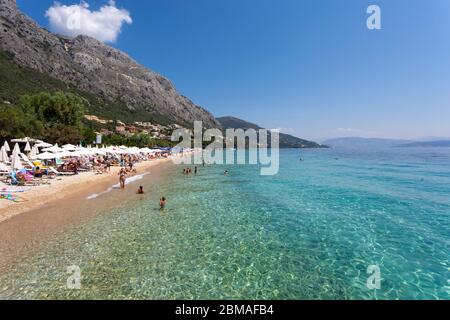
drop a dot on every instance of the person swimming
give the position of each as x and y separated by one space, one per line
162 204
140 190
225 173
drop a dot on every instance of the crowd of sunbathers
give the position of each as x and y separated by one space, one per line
39 173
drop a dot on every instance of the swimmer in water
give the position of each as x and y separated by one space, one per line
225 173
140 190
162 204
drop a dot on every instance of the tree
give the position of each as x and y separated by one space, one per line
59 114
14 123
57 108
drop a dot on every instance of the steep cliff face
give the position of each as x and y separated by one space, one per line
92 66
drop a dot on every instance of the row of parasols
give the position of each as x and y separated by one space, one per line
40 150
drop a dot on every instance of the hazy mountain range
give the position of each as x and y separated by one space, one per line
286 140
354 142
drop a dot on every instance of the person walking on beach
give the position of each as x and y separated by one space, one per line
122 178
130 165
162 204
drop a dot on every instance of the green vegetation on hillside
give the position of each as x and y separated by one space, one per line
59 118
16 81
54 117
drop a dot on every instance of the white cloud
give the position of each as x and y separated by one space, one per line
72 20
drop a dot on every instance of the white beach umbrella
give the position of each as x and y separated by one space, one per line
16 163
15 152
69 147
16 149
66 154
54 149
43 145
44 156
83 152
76 154
3 158
34 151
23 140
99 152
134 150
27 147
6 145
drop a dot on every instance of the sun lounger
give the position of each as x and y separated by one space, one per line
27 161
59 173
14 181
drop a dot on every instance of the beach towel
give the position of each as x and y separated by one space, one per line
14 180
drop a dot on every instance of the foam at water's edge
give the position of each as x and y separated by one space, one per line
92 196
117 186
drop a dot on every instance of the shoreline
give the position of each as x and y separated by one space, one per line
54 209
62 187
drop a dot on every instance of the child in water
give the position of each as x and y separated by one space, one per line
140 190
162 204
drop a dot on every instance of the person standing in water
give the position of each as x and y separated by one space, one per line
162 204
195 170
122 178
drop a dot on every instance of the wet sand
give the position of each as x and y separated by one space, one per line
27 228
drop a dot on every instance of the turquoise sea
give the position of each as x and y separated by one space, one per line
309 232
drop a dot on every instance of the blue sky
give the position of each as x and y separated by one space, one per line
310 67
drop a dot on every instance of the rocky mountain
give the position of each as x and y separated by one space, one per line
286 140
93 67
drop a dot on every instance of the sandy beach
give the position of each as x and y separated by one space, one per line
51 209
62 187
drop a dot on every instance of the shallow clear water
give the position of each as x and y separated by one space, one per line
308 233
